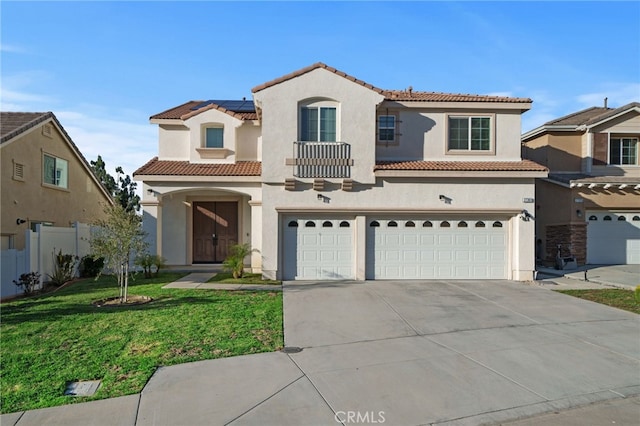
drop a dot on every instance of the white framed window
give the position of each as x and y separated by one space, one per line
318 122
469 133
55 171
623 151
213 136
387 125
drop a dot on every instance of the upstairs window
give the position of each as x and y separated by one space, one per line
318 124
55 171
623 151
214 137
469 133
387 128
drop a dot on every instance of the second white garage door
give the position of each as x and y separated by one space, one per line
436 249
613 238
318 249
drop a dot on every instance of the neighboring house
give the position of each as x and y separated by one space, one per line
45 178
332 178
589 206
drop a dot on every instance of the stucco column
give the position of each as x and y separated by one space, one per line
152 225
256 235
524 256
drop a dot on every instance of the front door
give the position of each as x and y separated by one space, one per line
215 230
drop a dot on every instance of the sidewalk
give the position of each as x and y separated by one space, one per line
592 277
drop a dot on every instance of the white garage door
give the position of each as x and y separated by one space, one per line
318 249
613 238
436 249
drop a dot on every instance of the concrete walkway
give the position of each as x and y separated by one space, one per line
402 353
199 280
593 276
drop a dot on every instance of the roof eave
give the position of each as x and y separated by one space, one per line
513 174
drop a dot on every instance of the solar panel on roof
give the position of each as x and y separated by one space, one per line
231 105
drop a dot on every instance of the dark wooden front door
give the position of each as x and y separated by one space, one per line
215 230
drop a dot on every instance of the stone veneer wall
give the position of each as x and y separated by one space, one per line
571 234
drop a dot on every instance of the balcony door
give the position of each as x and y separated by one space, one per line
215 230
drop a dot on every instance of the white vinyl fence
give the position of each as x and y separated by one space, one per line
38 255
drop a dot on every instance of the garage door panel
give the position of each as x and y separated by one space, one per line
437 252
613 237
317 249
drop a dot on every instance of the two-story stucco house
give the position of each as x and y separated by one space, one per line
589 206
330 177
45 178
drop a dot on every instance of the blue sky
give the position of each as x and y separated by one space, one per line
104 67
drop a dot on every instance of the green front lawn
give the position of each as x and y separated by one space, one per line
59 337
618 298
227 278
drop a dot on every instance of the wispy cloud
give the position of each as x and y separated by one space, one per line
618 94
9 48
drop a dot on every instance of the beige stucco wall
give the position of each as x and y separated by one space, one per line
474 196
559 151
173 142
167 214
31 199
356 111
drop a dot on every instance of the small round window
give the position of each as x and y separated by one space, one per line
636 218
374 224
480 224
327 224
445 224
462 224
622 218
410 224
593 217
293 224
310 224
344 224
497 225
607 217
427 224
392 224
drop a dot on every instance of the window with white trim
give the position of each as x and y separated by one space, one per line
214 136
469 133
318 123
387 128
623 151
55 171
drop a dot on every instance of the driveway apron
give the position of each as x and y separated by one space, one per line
457 352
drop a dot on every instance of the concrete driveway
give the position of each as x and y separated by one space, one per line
461 352
398 353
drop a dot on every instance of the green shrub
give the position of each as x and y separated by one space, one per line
234 263
64 268
150 264
90 266
28 282
636 293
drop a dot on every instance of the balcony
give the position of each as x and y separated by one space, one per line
321 160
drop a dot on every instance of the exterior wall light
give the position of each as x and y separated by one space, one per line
20 221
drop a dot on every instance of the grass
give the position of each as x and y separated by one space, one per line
617 298
59 337
227 278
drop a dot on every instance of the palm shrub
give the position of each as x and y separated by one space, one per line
234 263
64 268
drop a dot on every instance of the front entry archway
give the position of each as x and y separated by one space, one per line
215 230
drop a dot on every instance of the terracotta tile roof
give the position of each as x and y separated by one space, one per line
14 123
185 168
410 95
489 166
190 109
394 95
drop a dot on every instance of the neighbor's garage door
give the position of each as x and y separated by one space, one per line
318 249
613 238
436 249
